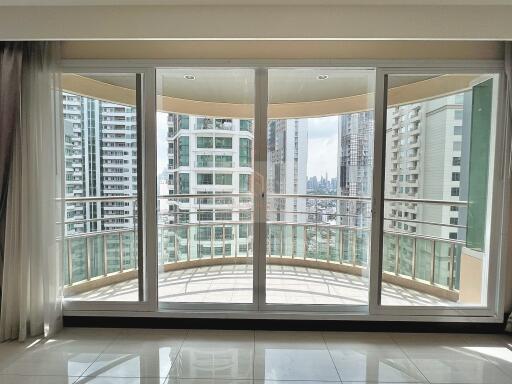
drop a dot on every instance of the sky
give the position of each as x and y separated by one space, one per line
322 145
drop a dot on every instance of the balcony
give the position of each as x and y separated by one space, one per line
323 275
319 262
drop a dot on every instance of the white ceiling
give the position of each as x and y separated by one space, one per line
237 85
249 2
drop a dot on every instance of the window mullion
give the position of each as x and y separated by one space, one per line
149 185
260 179
375 262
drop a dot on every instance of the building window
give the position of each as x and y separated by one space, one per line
223 216
204 179
457 130
204 123
205 216
245 152
183 150
453 208
455 176
453 235
224 124
183 122
184 183
454 220
457 145
455 191
204 142
223 161
458 115
204 161
246 125
456 161
223 142
244 183
223 179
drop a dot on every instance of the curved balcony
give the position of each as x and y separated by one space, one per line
211 262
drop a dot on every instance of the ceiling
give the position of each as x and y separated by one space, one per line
249 2
292 85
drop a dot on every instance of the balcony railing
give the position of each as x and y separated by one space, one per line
424 260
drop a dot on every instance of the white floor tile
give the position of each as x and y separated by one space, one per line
370 357
215 355
18 379
451 358
139 353
120 380
292 356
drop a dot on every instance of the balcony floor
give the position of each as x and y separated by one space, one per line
285 284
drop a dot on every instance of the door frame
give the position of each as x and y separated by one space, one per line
259 309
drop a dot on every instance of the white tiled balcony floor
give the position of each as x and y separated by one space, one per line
160 356
285 284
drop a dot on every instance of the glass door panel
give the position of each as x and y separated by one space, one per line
437 189
101 247
205 128
319 185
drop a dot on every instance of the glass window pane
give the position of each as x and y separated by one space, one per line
100 157
319 185
205 240
437 187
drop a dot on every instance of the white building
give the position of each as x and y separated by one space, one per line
355 167
287 155
426 158
206 156
101 160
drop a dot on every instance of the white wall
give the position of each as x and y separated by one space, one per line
271 22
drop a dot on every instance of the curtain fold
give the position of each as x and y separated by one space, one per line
31 295
10 90
508 126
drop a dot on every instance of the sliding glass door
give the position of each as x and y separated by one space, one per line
205 128
319 170
438 190
102 261
374 191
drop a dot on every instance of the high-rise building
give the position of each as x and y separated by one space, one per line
207 156
101 160
355 166
287 154
427 146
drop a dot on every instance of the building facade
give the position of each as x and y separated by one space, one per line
209 156
100 140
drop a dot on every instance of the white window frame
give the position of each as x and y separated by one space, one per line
150 307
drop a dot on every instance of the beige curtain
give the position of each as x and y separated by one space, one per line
508 126
31 294
10 91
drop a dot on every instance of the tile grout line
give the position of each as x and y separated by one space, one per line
330 355
99 355
168 377
408 358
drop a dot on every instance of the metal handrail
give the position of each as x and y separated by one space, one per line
426 201
305 196
213 241
87 199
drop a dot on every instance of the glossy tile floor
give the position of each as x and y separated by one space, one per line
138 356
285 284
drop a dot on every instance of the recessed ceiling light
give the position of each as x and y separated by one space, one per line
322 77
189 77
